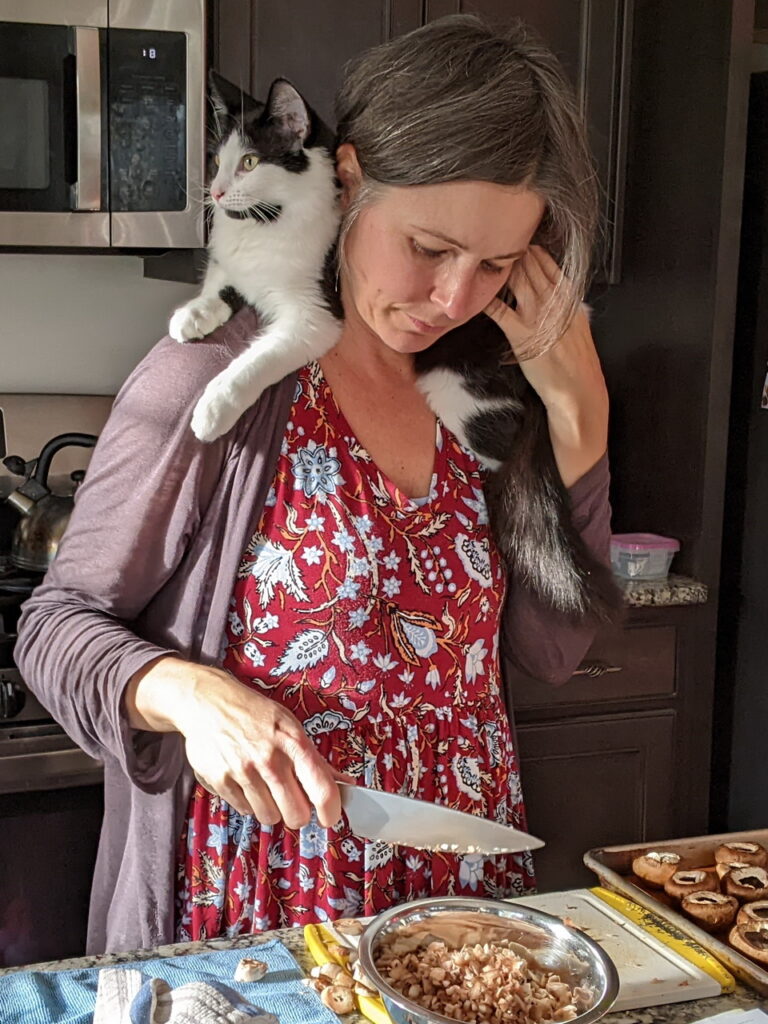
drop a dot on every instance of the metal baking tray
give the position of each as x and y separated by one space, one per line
612 865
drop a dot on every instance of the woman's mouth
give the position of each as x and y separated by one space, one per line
423 327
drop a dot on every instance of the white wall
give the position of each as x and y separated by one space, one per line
78 324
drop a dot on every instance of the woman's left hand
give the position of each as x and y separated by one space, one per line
567 377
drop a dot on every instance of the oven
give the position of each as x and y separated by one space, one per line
51 792
51 806
35 752
102 117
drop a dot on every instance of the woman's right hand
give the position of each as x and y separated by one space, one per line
243 746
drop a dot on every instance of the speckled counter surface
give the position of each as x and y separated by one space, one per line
675 590
292 938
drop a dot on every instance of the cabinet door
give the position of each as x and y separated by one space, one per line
307 42
592 38
596 782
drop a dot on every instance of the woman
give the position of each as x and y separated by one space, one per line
317 591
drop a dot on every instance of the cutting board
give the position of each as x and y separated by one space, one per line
651 973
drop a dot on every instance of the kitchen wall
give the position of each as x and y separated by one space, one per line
78 324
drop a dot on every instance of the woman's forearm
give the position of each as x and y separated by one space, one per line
579 436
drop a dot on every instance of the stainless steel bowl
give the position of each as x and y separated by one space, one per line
553 945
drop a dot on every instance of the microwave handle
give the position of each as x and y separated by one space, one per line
86 190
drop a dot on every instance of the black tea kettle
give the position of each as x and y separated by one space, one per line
44 515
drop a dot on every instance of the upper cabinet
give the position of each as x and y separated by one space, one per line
256 41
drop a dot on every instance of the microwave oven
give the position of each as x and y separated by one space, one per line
102 121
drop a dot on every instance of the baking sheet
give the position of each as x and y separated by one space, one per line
613 863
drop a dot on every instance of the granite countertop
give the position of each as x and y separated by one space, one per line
675 590
293 939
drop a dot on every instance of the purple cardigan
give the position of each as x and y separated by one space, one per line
147 566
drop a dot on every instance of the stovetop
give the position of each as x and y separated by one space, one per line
15 588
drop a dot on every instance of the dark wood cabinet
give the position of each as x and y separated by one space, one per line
621 752
595 781
256 41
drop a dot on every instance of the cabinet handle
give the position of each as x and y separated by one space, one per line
595 669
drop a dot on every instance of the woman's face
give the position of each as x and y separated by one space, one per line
425 258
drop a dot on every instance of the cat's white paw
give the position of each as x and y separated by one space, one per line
198 318
216 412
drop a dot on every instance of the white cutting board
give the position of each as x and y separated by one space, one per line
650 973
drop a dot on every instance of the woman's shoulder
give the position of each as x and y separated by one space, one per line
167 383
179 372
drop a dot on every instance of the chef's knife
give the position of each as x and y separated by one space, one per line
402 820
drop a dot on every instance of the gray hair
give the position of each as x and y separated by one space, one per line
458 101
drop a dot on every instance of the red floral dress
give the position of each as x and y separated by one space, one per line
376 621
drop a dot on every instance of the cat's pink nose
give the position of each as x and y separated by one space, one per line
217 193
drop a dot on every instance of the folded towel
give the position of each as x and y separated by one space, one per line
69 996
130 997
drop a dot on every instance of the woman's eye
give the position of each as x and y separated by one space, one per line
431 254
492 268
249 161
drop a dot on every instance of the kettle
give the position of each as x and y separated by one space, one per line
44 515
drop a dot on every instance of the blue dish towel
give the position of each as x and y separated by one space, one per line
69 997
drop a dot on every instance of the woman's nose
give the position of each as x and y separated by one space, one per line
452 291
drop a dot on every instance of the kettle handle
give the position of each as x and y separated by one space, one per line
45 458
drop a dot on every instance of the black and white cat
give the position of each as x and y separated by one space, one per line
273 246
275 223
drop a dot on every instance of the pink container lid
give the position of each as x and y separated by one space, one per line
645 541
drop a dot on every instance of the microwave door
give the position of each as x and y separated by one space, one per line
52 179
156 104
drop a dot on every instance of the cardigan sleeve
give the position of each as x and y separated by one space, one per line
541 642
144 493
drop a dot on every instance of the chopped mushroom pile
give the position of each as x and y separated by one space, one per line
489 983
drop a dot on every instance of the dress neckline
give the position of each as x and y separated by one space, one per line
420 505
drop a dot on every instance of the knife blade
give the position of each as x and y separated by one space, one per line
406 821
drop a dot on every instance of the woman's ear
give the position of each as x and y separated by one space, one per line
349 172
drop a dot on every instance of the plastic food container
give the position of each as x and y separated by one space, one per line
642 556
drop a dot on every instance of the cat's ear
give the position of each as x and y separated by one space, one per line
289 113
228 101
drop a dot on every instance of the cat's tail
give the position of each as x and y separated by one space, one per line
533 526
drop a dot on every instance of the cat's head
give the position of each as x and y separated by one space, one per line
258 151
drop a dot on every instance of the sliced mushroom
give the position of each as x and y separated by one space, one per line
338 999
250 970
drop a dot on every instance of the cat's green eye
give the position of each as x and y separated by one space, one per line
249 161
217 159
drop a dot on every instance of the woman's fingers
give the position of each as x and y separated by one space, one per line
228 790
318 780
547 264
260 799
